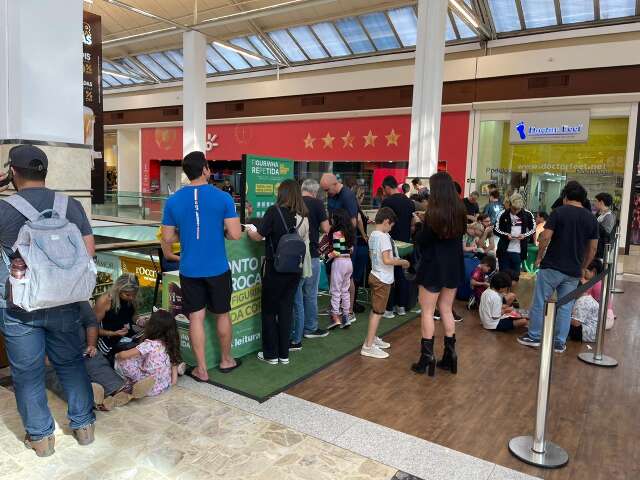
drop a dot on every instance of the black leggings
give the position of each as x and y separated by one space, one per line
278 291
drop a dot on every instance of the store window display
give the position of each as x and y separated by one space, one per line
540 171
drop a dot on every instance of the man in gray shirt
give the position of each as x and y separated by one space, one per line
28 335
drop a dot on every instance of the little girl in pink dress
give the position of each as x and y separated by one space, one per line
157 356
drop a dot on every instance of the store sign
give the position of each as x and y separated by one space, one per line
550 127
144 270
263 176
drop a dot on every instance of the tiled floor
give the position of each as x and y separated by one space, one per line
198 431
179 435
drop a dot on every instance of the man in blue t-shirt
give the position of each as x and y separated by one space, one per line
199 216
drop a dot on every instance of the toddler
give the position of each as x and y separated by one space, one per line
383 259
595 268
494 315
157 357
480 279
342 235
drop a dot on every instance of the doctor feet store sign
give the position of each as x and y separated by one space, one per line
245 260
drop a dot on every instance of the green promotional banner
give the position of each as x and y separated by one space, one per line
245 260
263 175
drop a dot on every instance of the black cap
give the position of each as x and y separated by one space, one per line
28 156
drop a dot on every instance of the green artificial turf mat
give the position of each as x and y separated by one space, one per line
260 381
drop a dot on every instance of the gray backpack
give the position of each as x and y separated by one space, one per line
59 268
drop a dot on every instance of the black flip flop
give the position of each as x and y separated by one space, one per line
189 373
231 369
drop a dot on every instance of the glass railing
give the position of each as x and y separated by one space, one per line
131 205
128 249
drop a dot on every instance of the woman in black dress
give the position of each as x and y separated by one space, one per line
440 271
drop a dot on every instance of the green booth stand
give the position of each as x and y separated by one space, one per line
245 260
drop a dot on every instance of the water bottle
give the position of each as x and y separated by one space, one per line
18 268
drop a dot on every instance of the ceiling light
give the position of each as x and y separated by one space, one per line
237 50
463 11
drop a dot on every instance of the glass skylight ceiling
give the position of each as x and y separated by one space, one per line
393 30
371 33
555 13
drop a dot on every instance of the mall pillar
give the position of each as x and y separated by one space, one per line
41 89
194 86
427 88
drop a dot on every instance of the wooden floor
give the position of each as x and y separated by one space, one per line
594 412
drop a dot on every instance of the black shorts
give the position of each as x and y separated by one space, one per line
505 325
213 293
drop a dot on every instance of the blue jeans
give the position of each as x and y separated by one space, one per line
548 281
28 337
305 304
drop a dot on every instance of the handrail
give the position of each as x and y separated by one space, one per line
126 245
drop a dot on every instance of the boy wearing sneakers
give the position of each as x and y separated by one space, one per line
383 259
480 279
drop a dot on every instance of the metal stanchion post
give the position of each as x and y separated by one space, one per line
535 450
614 272
597 357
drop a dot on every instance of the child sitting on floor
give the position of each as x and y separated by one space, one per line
470 240
584 319
383 259
595 268
157 357
480 279
510 298
493 314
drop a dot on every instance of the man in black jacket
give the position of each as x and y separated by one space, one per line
515 229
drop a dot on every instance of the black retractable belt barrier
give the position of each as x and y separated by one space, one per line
597 357
536 450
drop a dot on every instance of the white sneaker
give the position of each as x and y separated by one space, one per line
388 314
378 342
401 311
373 351
352 318
284 361
270 361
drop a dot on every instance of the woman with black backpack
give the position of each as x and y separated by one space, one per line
285 230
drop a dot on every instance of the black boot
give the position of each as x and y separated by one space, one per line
427 359
450 357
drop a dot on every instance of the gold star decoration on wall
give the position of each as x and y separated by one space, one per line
392 138
328 141
348 140
370 139
308 142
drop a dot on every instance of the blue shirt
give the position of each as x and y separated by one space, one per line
345 200
199 214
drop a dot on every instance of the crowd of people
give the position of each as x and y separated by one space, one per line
105 355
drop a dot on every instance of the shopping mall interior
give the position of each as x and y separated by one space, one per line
511 98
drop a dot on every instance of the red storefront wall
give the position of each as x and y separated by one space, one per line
364 139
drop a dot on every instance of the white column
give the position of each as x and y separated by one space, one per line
41 88
41 70
129 159
427 88
194 86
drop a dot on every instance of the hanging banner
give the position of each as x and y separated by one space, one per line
263 176
93 117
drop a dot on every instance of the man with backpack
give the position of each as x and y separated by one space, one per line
199 216
43 316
